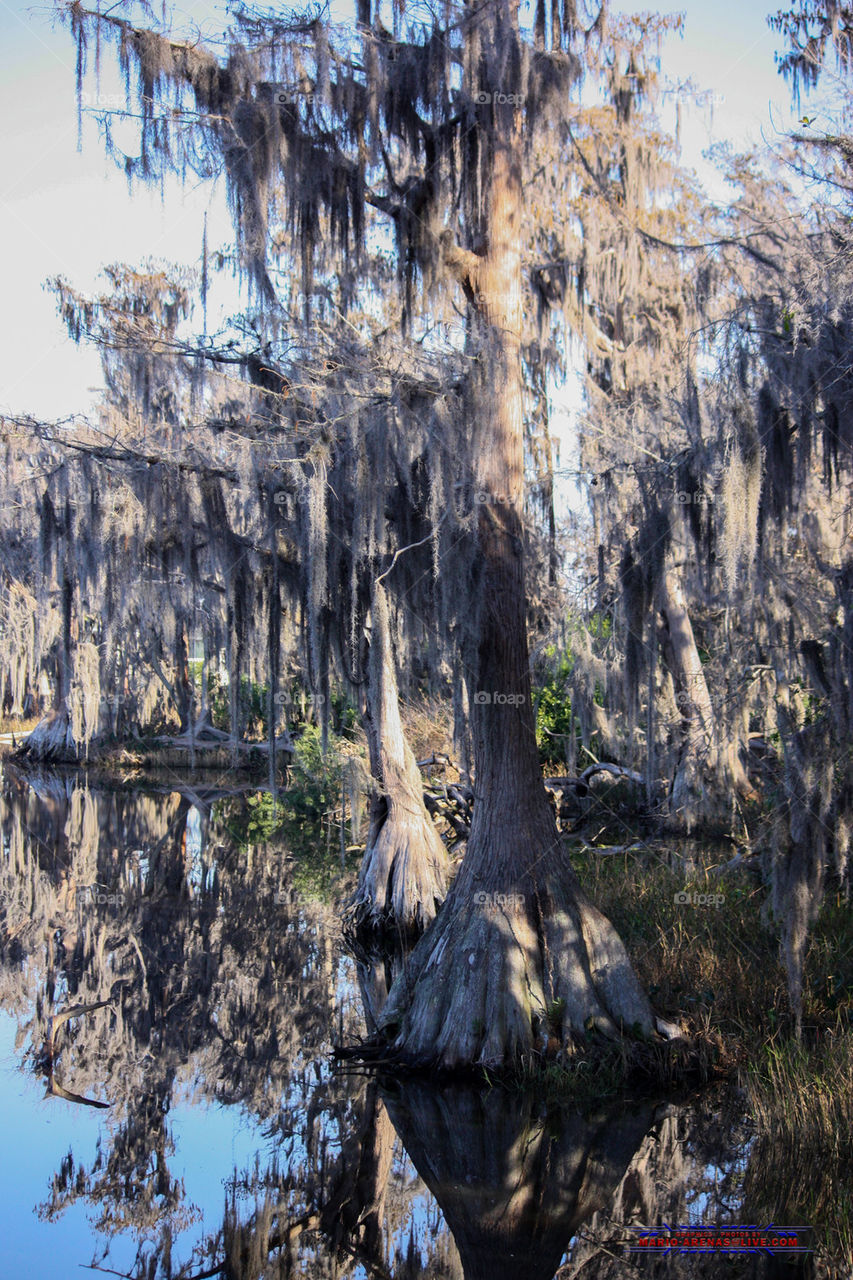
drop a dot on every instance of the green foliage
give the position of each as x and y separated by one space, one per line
600 626
344 715
302 812
253 704
294 699
554 1014
283 822
555 722
315 773
317 777
260 821
554 719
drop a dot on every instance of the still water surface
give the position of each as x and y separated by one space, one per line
187 1121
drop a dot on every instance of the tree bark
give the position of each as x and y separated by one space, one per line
707 772
404 872
518 958
461 723
183 685
52 740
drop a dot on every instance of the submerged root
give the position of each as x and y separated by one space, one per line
502 979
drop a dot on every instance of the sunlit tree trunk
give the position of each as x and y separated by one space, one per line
52 740
462 745
404 872
705 765
518 956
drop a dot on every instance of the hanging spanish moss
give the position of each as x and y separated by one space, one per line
430 222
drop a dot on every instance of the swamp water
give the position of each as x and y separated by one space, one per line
187 1121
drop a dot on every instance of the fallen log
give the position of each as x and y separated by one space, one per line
204 736
452 802
616 770
215 740
50 1053
456 815
438 758
610 850
557 785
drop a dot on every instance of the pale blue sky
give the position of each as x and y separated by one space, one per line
69 212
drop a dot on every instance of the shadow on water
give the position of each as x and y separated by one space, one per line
168 957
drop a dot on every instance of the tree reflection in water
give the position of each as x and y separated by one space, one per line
514 1181
147 970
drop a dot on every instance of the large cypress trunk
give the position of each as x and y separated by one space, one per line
52 740
404 873
518 958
